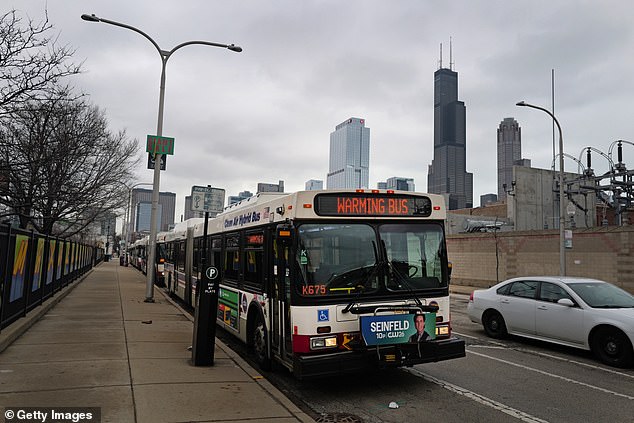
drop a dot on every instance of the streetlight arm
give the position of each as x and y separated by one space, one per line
525 104
93 18
231 47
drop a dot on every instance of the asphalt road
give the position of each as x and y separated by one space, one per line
498 381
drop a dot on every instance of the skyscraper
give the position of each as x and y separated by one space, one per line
349 155
141 208
447 173
509 153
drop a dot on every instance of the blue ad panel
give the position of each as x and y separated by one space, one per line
398 328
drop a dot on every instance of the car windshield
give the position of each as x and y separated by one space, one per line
342 258
602 295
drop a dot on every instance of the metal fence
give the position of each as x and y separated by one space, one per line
33 267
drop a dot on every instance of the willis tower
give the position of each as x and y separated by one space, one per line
447 173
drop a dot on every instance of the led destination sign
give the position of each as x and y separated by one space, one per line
366 204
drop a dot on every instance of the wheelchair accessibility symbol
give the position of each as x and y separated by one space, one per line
323 315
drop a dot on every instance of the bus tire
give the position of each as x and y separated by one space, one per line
259 344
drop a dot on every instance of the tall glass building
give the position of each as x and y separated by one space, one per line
447 173
141 210
349 155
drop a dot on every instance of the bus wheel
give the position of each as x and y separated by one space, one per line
260 348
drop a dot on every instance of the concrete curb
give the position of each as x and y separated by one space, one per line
253 373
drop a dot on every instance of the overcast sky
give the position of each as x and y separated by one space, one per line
266 114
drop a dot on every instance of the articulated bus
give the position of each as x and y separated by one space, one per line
325 282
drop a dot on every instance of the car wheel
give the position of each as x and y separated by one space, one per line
612 347
259 343
494 325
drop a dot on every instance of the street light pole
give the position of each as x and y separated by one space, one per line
165 55
562 213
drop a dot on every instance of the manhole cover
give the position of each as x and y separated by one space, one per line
339 418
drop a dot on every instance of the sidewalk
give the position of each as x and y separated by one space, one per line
102 346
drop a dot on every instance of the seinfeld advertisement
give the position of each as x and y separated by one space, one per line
398 328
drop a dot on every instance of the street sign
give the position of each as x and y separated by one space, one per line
211 272
208 199
151 161
161 145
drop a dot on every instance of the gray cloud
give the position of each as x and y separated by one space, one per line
266 114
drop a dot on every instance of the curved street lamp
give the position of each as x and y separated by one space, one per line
165 55
562 213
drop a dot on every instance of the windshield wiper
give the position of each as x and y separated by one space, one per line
361 287
400 276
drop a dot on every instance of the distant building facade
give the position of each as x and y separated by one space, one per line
349 161
141 206
447 173
509 149
488 199
241 196
314 185
262 187
401 184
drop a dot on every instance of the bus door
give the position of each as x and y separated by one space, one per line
282 341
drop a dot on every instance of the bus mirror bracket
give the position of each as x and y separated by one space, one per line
284 233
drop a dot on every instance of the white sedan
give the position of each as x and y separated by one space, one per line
583 313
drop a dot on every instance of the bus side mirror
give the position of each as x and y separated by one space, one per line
449 269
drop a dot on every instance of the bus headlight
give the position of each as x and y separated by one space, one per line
442 330
323 342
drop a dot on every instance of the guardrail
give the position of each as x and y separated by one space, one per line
33 267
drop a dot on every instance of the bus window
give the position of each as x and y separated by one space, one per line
253 260
336 259
414 255
231 263
180 256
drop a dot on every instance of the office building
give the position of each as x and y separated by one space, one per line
141 211
262 187
241 196
447 173
509 141
314 185
381 185
349 155
400 184
488 199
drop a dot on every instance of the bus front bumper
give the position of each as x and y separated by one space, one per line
310 366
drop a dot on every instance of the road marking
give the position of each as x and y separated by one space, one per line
532 369
525 417
535 352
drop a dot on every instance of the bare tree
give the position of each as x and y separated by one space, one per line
65 168
32 63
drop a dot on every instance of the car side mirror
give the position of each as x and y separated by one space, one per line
566 301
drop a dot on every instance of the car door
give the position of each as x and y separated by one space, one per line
555 321
518 307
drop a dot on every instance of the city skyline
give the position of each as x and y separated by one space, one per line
265 114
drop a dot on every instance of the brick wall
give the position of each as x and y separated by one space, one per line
602 253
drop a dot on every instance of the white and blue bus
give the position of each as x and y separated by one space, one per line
325 282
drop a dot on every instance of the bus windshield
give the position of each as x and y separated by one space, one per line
343 258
